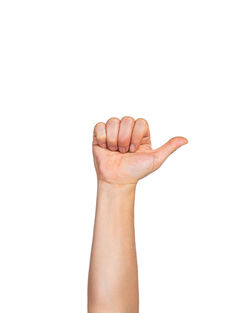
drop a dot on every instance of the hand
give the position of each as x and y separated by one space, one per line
123 153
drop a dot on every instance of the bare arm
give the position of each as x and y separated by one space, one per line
113 282
122 155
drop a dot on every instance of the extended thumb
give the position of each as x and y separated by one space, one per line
163 152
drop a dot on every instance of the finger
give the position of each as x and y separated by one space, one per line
100 135
112 129
163 152
140 130
125 132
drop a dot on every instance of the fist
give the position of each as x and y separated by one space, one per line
123 153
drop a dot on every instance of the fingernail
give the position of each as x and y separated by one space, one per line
122 149
132 147
112 148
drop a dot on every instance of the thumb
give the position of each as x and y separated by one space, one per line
163 152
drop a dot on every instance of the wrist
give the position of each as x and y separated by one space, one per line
115 192
115 186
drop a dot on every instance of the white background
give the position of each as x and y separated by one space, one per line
182 65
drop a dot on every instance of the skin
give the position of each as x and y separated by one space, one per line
123 155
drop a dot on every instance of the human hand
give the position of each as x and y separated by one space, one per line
123 153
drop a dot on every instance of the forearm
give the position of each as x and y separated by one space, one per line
113 278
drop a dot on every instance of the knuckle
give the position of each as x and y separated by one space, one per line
142 121
97 125
113 120
128 118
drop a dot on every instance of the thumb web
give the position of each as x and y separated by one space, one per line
164 151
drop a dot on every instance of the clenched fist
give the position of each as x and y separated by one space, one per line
123 153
